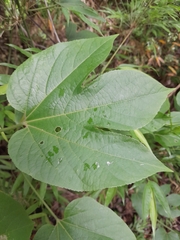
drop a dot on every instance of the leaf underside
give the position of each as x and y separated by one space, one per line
68 140
86 219
14 222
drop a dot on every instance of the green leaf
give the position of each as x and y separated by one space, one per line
147 194
23 51
174 200
3 89
162 234
4 79
73 34
111 192
66 140
14 222
161 198
168 139
8 65
84 218
158 122
178 98
80 8
153 212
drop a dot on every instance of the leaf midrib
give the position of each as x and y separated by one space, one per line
65 77
97 106
95 150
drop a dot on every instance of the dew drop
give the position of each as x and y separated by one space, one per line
57 129
109 163
97 164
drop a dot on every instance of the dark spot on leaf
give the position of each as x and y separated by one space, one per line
55 149
50 154
49 160
95 109
57 129
86 166
61 92
95 165
42 142
90 120
86 135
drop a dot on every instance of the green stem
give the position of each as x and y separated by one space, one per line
5 157
11 127
43 8
43 202
105 67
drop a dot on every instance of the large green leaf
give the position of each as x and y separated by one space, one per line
14 222
85 219
66 141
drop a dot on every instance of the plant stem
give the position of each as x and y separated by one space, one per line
11 127
178 87
43 202
105 67
24 22
50 19
5 157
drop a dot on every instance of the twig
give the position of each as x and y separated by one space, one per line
103 70
170 94
50 18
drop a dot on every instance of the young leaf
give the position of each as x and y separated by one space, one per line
111 192
64 140
161 198
153 212
14 222
146 201
23 51
84 218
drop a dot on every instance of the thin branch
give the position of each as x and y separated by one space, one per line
124 40
50 18
10 128
175 90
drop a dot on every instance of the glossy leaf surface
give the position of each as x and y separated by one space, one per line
67 141
86 219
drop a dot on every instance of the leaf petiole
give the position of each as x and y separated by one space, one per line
11 127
